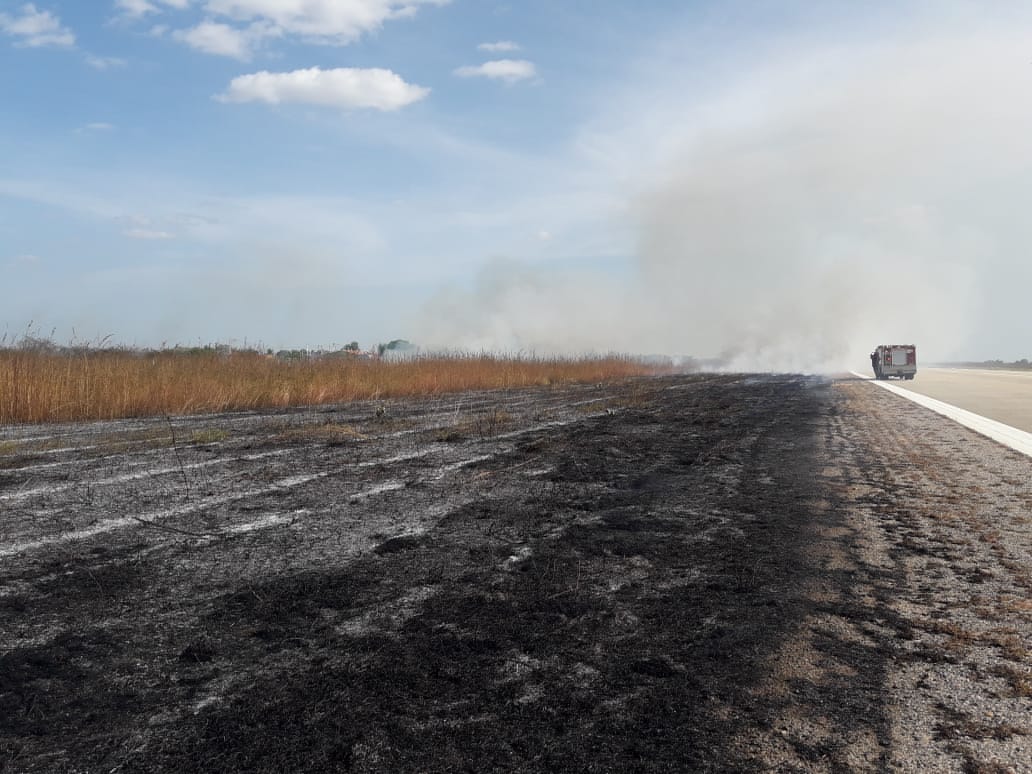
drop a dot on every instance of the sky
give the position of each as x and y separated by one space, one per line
777 183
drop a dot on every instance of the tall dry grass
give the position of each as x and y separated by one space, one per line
53 384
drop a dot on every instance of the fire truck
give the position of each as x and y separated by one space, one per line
894 361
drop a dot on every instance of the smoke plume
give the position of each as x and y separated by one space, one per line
829 201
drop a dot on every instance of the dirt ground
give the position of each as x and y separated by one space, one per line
700 573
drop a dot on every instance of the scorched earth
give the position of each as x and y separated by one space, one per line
690 573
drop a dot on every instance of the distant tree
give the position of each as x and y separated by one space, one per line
352 347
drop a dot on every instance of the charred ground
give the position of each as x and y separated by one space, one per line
702 573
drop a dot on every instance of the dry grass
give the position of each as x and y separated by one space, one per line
210 435
1014 604
483 426
1019 679
41 385
328 433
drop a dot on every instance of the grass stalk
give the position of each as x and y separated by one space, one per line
57 384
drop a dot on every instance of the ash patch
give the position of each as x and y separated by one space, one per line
678 574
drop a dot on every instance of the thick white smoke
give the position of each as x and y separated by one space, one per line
866 194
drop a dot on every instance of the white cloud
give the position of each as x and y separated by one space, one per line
344 87
96 126
143 7
35 28
233 27
146 233
499 47
224 40
328 21
104 62
136 7
509 70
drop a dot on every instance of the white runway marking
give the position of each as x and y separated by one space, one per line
1009 436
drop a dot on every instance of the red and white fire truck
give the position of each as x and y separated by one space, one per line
894 361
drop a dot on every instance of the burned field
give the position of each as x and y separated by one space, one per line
696 573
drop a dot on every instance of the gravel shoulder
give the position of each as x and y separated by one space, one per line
942 549
697 573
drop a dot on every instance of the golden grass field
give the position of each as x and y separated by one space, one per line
55 385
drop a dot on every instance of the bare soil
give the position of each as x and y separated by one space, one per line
694 573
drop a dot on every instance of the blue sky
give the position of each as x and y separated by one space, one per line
693 178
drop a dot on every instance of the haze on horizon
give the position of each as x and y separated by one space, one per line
782 185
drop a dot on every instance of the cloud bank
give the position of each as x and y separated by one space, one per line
225 40
143 7
34 28
232 27
329 21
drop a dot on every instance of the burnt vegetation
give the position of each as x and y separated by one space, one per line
513 582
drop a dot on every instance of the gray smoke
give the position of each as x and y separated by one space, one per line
863 195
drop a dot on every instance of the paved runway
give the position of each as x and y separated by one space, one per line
1005 396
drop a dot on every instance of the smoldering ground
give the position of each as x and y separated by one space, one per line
828 197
